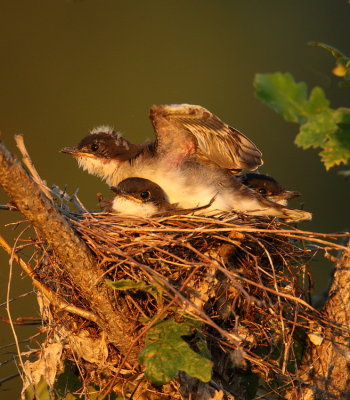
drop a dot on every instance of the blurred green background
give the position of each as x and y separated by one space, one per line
67 66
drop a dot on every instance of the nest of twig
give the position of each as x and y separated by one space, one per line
244 279
239 285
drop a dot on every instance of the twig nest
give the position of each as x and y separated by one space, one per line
244 280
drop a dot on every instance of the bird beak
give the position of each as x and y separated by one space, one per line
116 190
75 152
121 193
286 195
69 150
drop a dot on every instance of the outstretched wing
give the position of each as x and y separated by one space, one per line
185 129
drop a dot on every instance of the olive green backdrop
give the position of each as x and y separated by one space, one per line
67 66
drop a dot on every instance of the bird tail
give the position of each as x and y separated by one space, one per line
292 215
272 209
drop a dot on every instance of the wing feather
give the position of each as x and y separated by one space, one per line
187 129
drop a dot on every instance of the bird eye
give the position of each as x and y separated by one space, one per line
145 195
262 191
94 147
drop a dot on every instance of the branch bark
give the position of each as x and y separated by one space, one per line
325 372
76 257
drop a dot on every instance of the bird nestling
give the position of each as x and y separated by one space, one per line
141 197
193 158
137 197
268 187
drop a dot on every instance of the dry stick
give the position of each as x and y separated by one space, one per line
283 328
290 233
8 378
22 321
8 207
62 195
232 275
9 314
18 297
76 258
230 336
48 293
228 228
27 161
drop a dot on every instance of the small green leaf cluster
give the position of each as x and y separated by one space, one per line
320 125
166 352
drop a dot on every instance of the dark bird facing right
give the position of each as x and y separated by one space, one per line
268 187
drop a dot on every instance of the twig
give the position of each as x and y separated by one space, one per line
27 161
8 207
49 294
78 204
8 378
9 312
18 297
63 195
22 320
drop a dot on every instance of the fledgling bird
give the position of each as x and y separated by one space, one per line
141 197
268 187
138 197
192 159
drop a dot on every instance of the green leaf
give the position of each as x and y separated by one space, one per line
169 328
342 116
127 284
316 131
283 94
67 382
329 130
166 353
317 103
321 126
337 149
39 391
